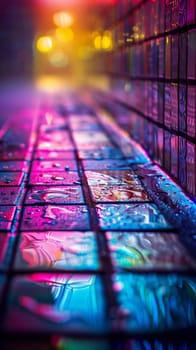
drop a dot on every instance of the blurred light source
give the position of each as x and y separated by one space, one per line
58 59
44 44
50 84
97 42
107 41
62 19
64 34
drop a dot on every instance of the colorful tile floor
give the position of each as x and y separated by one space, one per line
97 244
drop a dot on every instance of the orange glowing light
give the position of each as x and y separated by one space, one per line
44 44
63 19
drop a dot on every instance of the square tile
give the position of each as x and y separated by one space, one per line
14 165
55 194
85 137
54 178
110 164
112 177
55 217
6 217
139 216
53 155
163 302
57 166
100 153
147 250
118 193
11 178
55 145
57 250
6 248
9 195
56 302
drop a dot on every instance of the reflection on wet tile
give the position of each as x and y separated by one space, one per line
58 194
94 145
157 344
100 153
6 247
106 164
53 302
55 217
12 153
131 217
148 251
56 146
84 137
161 302
50 155
2 282
54 178
112 177
11 179
118 193
13 166
76 344
6 217
9 195
57 250
57 166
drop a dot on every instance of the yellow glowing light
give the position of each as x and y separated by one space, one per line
64 34
50 84
98 42
58 59
63 19
44 44
106 42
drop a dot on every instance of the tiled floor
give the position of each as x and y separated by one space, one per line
93 240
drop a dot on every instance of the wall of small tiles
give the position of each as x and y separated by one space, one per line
152 69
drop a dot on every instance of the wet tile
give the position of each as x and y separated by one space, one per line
100 153
12 153
131 217
57 250
84 137
93 145
53 155
55 146
16 165
11 178
165 302
54 135
75 344
57 166
112 177
111 164
6 247
2 283
118 193
56 302
6 217
58 194
147 250
9 195
55 217
54 178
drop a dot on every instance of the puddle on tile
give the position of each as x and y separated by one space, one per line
55 217
165 302
131 217
147 250
54 178
58 194
112 177
57 250
118 193
53 302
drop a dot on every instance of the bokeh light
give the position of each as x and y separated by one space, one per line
44 44
64 34
63 19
